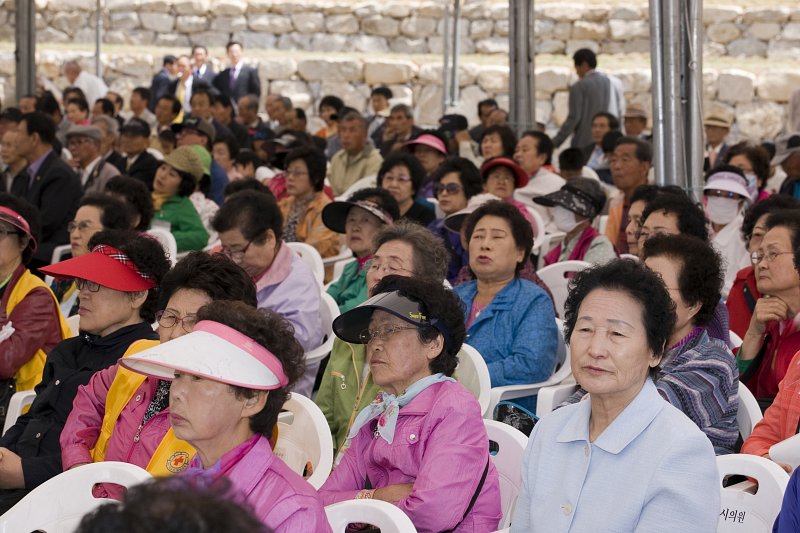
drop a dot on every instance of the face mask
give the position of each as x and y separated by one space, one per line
752 185
721 211
564 219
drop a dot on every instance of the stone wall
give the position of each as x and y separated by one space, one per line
408 27
758 101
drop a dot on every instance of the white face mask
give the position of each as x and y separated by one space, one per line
564 219
721 211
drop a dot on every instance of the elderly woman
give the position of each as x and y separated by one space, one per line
430 149
230 376
302 209
510 321
501 176
640 200
454 183
401 174
744 293
95 213
624 459
250 227
773 336
175 180
423 418
32 324
403 249
360 218
123 416
753 160
574 207
117 281
498 141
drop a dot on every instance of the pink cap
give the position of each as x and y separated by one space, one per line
426 139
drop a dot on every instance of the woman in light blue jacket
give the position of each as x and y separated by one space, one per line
623 459
510 321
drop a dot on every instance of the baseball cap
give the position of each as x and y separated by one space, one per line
197 124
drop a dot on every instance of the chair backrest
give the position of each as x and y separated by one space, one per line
387 517
305 439
538 231
473 373
363 183
629 256
328 311
511 444
311 257
17 406
58 505
551 397
338 268
74 323
736 340
555 277
749 413
602 222
59 252
741 510
549 241
167 241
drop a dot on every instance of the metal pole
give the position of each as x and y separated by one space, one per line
446 60
694 97
674 148
98 38
522 85
657 75
455 86
25 53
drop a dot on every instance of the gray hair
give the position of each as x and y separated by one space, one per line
111 124
430 256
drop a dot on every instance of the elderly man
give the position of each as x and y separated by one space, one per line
109 127
630 165
92 86
248 113
48 183
534 151
357 159
84 144
140 99
788 157
13 162
181 87
716 129
485 109
134 141
398 129
635 121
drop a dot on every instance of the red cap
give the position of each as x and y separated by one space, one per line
104 265
520 176
15 219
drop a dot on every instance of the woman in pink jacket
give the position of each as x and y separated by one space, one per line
421 444
113 418
230 376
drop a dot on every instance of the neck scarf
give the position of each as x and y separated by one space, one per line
387 406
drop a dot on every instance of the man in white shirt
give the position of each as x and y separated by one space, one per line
92 86
84 143
535 150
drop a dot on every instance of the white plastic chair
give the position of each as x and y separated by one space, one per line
550 241
363 183
538 232
629 256
304 437
749 413
555 278
338 269
60 251
562 372
757 511
58 505
548 398
436 208
602 222
328 311
387 517
344 254
736 340
74 323
473 373
511 444
311 257
167 241
16 406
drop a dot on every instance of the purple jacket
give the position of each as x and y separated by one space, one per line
440 445
278 496
289 288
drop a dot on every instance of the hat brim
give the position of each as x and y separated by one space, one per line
735 188
334 215
455 221
781 157
206 355
561 198
101 269
410 145
351 324
520 176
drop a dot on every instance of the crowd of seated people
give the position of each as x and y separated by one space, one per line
439 235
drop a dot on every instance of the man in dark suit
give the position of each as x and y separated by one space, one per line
202 70
717 129
48 183
161 81
238 79
134 141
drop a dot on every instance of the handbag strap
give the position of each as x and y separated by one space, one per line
474 496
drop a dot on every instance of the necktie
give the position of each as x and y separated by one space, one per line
232 77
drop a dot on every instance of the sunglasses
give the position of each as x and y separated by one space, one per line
450 188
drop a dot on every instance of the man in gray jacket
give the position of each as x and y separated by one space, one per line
589 96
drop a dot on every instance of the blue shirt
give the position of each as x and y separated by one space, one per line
651 470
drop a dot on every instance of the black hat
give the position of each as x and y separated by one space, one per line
582 196
197 124
334 215
135 126
453 123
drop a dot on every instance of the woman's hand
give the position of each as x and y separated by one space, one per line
10 470
393 493
786 467
768 309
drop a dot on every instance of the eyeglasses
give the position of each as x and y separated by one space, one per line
373 266
450 188
500 176
168 319
80 226
770 256
402 178
369 335
238 254
91 286
6 232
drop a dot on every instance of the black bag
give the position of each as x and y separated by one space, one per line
515 416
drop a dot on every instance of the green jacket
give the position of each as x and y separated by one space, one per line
341 393
351 288
185 223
